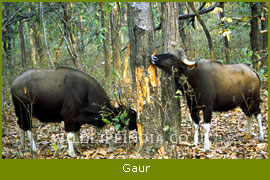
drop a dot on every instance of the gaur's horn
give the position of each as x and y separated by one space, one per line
190 63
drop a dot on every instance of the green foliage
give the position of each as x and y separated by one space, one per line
117 120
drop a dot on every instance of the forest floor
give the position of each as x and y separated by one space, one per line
227 136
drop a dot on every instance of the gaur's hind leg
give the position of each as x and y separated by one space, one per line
259 119
254 109
249 125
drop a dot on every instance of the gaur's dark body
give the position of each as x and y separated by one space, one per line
220 87
211 86
64 94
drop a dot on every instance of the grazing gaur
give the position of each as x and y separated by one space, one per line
63 94
211 86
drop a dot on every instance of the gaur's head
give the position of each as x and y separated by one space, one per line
131 114
176 61
131 117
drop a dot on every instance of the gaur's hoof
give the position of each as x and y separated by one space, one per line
72 154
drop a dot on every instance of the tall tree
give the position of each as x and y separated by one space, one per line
106 40
32 46
225 39
141 35
264 31
171 106
181 25
22 39
72 44
115 36
254 33
209 39
35 25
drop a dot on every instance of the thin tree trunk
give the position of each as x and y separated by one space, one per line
191 4
32 45
58 51
23 54
38 42
115 38
72 43
226 42
171 105
106 40
264 26
141 47
7 44
181 26
254 33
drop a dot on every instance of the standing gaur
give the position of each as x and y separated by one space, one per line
211 86
64 94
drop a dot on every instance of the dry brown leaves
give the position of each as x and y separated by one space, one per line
227 136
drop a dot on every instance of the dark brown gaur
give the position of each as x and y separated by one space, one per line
211 86
64 94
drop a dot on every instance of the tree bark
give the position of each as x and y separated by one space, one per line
72 45
171 115
32 45
35 25
225 39
22 39
106 40
115 38
141 34
191 4
181 26
254 33
7 38
264 26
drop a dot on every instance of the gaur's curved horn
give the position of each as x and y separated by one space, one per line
190 63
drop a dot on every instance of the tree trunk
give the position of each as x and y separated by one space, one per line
115 38
226 42
72 45
6 36
191 4
37 36
106 40
32 45
264 26
38 42
254 33
171 115
181 26
141 34
23 54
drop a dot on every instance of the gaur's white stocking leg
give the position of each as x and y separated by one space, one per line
22 137
249 125
196 134
32 141
77 139
259 119
206 128
70 140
